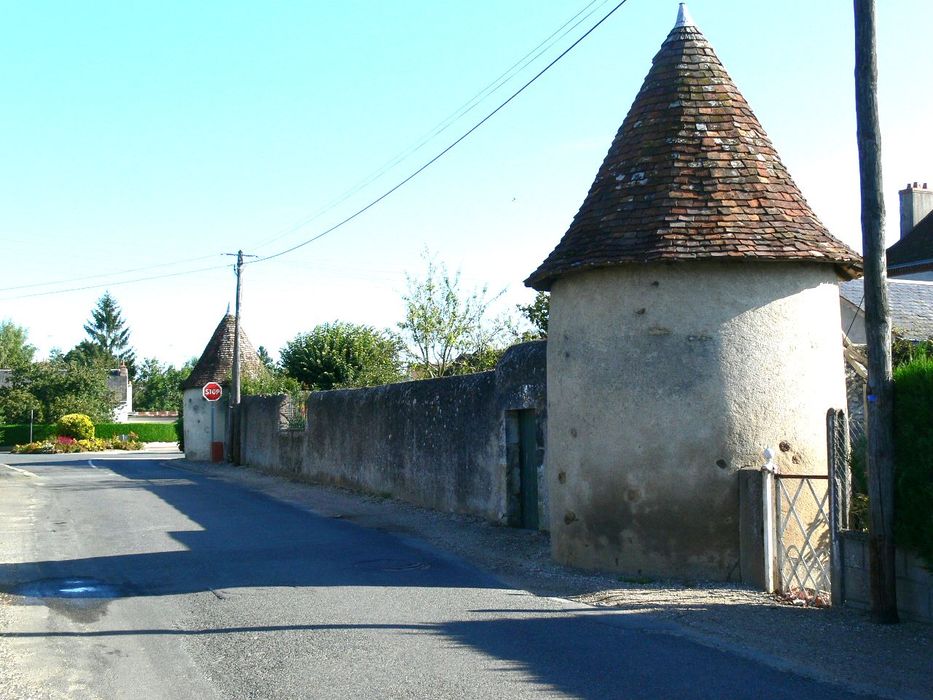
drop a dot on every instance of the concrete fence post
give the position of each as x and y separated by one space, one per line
770 521
840 494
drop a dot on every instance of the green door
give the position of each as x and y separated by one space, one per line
529 460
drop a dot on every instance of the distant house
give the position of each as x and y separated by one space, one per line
910 274
118 381
153 416
912 256
910 302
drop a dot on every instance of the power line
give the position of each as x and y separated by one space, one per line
115 284
464 109
102 274
348 219
444 152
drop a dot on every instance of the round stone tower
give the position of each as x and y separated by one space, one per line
205 422
694 322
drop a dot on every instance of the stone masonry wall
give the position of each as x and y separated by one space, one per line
914 582
438 443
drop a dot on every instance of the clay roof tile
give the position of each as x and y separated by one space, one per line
216 362
690 137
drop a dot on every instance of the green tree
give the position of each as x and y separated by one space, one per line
108 341
265 358
537 313
15 351
55 388
337 355
158 386
270 383
448 331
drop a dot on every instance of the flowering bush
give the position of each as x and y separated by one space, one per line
42 448
76 425
65 444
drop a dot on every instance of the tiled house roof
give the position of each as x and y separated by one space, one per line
910 303
691 175
914 252
216 362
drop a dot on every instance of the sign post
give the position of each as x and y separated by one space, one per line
212 391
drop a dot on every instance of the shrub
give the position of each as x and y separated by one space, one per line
91 445
76 425
179 427
61 445
913 456
42 447
145 432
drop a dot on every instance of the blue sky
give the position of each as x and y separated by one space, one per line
151 138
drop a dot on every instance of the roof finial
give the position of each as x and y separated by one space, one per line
683 17
228 309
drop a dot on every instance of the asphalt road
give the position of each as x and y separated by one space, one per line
130 577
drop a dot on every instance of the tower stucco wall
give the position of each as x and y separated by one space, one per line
197 424
663 381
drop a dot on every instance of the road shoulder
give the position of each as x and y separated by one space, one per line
836 645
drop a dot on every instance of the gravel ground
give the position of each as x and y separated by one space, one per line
839 645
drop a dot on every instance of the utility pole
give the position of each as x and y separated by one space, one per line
235 399
880 389
235 379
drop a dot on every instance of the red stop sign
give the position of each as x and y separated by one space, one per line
212 391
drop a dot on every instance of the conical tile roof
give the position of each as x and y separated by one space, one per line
691 175
216 362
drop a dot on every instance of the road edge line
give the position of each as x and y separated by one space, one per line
19 471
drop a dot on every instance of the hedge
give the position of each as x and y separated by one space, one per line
19 434
147 432
913 456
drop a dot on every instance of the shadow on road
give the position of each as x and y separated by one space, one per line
244 539
248 540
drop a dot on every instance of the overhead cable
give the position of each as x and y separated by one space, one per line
444 152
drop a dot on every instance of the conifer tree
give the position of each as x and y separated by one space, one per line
108 340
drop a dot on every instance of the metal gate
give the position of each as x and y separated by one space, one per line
803 534
803 516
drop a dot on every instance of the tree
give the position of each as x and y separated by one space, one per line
158 387
537 313
265 358
108 342
447 330
55 388
338 355
15 351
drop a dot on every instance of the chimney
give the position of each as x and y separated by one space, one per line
916 203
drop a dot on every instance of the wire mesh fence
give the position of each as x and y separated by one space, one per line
293 412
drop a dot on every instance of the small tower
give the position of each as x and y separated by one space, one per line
205 423
694 322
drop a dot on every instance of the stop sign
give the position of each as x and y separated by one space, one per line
212 391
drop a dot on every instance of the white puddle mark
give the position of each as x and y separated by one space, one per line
93 466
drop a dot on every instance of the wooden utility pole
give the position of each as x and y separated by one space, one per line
235 389
877 322
234 413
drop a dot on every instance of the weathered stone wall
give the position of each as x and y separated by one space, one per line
439 443
914 581
664 380
266 441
